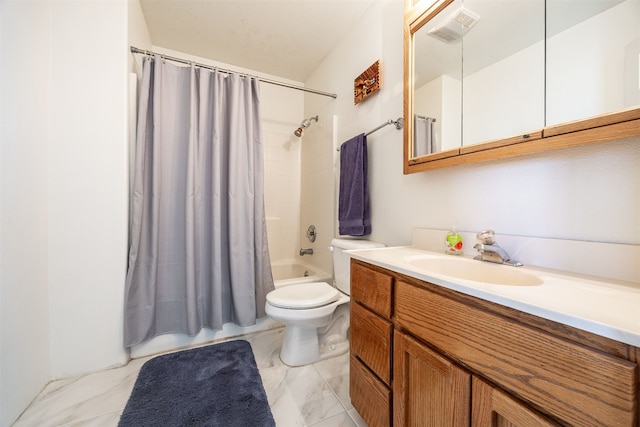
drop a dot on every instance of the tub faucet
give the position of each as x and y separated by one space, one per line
306 251
491 252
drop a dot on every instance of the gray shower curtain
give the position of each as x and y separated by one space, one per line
199 254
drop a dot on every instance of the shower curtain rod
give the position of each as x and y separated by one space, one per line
273 82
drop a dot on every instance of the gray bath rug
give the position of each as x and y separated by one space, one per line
217 385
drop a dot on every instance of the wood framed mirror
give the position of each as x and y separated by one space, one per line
487 79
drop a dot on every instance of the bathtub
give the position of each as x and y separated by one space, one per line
290 272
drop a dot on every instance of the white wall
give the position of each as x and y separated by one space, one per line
64 204
585 193
378 36
25 95
138 35
88 185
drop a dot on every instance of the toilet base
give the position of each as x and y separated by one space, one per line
306 345
299 346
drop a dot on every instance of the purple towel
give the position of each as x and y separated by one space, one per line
353 201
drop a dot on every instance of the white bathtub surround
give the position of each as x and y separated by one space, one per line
290 272
303 396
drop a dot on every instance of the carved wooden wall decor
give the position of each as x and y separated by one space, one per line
367 83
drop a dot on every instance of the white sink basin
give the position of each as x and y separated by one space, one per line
477 271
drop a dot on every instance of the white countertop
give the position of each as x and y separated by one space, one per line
607 308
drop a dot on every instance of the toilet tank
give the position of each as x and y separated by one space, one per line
342 260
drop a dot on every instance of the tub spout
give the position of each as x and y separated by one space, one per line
308 251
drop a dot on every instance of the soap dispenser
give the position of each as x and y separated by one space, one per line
453 242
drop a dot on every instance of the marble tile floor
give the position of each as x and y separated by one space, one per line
314 395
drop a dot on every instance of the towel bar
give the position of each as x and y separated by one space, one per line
399 124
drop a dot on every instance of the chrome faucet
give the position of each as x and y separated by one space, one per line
306 251
491 252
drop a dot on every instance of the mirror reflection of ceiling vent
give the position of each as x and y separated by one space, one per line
454 28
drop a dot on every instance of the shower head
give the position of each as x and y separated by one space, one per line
305 124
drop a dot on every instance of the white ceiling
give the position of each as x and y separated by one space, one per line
286 38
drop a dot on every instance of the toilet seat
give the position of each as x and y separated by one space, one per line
303 295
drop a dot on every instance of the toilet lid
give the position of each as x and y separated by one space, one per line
303 295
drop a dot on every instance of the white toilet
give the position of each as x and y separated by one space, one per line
316 315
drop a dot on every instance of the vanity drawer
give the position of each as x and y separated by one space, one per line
371 288
371 342
369 396
572 382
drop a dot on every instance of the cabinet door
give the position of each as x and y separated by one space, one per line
493 407
428 389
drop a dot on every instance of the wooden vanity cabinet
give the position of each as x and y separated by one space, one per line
566 380
431 390
371 344
460 360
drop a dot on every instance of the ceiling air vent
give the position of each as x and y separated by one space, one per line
454 28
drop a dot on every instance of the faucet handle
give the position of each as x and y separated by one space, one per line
487 237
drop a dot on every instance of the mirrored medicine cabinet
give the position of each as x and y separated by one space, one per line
490 79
